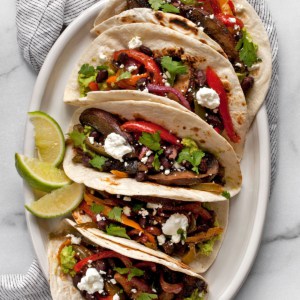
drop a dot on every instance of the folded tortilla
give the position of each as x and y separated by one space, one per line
182 124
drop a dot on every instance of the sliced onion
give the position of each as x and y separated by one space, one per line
161 90
174 288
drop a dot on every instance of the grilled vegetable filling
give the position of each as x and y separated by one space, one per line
99 273
141 150
177 228
173 75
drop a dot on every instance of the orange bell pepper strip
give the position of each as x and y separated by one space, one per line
204 236
225 6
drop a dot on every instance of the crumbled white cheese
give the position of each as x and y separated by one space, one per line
153 205
116 146
126 198
232 20
167 172
102 272
113 281
92 139
239 65
208 98
239 8
161 239
236 27
92 282
122 66
133 291
161 167
74 239
211 16
116 297
148 153
135 42
127 211
143 212
132 68
254 67
173 224
100 218
145 90
144 160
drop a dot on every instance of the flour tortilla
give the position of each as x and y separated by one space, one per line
164 41
201 262
253 24
182 124
61 285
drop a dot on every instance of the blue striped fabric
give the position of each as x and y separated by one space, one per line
39 24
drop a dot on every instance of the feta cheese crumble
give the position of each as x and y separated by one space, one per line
153 205
208 98
100 218
126 198
74 239
143 212
103 53
116 146
116 297
135 42
92 282
173 224
161 239
127 211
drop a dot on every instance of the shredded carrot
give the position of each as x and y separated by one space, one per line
119 174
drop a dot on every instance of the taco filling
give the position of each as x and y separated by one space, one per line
174 75
218 19
141 150
177 228
100 273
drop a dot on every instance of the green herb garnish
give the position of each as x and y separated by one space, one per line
173 67
125 75
146 296
151 140
165 7
115 230
115 214
98 161
132 272
226 194
97 208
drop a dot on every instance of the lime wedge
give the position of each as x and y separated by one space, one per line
49 138
40 175
58 203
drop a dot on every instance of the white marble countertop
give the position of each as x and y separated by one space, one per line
275 273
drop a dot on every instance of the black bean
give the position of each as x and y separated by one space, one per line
141 84
100 265
215 120
76 279
200 78
102 76
146 50
140 176
247 83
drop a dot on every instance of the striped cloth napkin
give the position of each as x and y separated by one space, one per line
39 23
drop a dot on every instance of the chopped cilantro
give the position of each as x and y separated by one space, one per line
247 49
67 260
146 296
77 138
132 272
137 206
226 194
115 230
169 8
156 4
152 141
182 234
97 208
87 70
196 295
125 75
173 67
156 162
115 214
194 157
98 161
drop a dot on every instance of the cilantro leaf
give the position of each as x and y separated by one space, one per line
115 214
98 161
194 157
96 208
146 296
226 194
196 295
169 8
77 138
115 230
247 49
156 162
125 75
173 67
132 272
87 70
182 234
137 207
156 4
152 141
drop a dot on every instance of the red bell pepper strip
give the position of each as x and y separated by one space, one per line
160 90
231 5
215 6
146 60
144 126
215 83
229 20
93 86
105 254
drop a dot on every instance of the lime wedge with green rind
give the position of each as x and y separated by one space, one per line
58 203
40 175
49 138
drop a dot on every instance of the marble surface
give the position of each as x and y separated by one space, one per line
275 273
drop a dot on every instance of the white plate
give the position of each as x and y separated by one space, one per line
248 209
